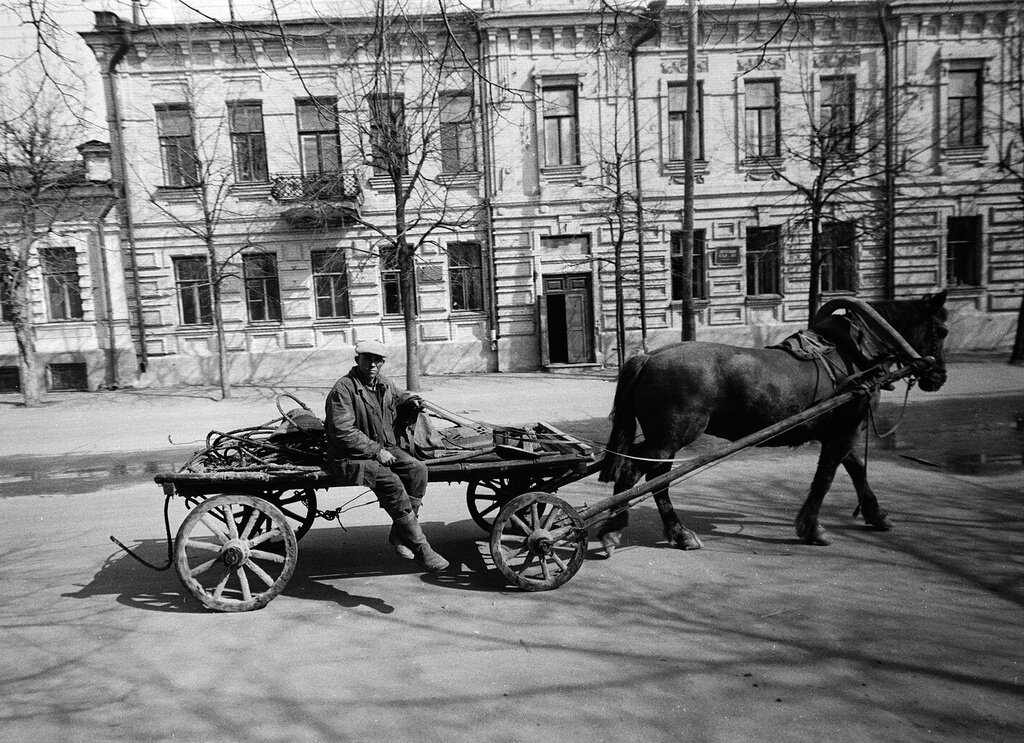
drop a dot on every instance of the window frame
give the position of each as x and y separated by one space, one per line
840 137
677 120
394 127
960 260
391 284
755 256
775 112
6 290
199 291
563 138
699 278
262 288
465 278
453 131
336 280
62 286
842 247
178 155
327 140
248 147
957 124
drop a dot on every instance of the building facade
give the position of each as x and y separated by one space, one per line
863 142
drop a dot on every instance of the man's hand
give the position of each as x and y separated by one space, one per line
416 403
385 457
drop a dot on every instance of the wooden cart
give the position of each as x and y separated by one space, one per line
252 493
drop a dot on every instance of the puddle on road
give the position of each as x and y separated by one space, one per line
81 474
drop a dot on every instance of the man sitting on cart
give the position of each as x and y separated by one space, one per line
363 445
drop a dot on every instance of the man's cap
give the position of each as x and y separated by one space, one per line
371 346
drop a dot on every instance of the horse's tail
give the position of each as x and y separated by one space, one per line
623 418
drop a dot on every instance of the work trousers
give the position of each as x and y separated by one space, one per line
395 485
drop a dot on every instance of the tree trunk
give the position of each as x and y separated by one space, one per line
688 326
218 319
620 303
28 365
814 293
1017 354
406 281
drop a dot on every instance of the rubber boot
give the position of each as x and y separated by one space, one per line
395 539
409 531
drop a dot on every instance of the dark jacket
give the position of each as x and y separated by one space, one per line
359 421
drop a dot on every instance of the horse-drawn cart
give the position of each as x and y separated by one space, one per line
253 492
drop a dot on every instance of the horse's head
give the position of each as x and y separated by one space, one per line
922 322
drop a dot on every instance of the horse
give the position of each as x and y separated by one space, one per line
680 391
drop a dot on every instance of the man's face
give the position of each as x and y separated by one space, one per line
369 366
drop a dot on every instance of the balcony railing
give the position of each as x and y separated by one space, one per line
323 199
330 186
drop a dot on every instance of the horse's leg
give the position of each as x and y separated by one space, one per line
870 510
676 534
833 452
610 532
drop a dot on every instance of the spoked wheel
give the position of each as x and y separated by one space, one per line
484 498
235 552
538 541
299 506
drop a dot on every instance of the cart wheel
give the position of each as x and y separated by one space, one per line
299 506
538 541
232 567
484 498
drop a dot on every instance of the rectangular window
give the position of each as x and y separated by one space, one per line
762 118
319 144
837 256
248 142
10 379
561 139
835 133
465 276
763 261
262 289
389 140
699 275
677 121
60 281
458 141
390 283
330 283
964 101
963 251
193 285
177 145
67 377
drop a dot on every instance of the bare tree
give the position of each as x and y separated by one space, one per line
1011 146
40 191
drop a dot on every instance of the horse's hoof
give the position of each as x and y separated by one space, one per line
690 542
818 537
610 541
880 522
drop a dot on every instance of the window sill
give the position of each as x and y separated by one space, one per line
675 171
272 325
469 179
698 304
973 155
329 322
176 194
384 182
763 168
763 301
964 290
563 174
253 191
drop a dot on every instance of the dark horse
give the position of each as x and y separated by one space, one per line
678 392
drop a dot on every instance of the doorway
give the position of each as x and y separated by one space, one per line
569 313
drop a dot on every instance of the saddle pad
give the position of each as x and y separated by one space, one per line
806 345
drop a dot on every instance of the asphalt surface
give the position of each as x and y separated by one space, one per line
910 635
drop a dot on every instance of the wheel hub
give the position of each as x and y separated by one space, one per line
234 554
540 542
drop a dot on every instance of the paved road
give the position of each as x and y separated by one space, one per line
910 635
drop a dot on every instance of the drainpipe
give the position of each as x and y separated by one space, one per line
650 28
488 166
101 242
120 163
889 209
